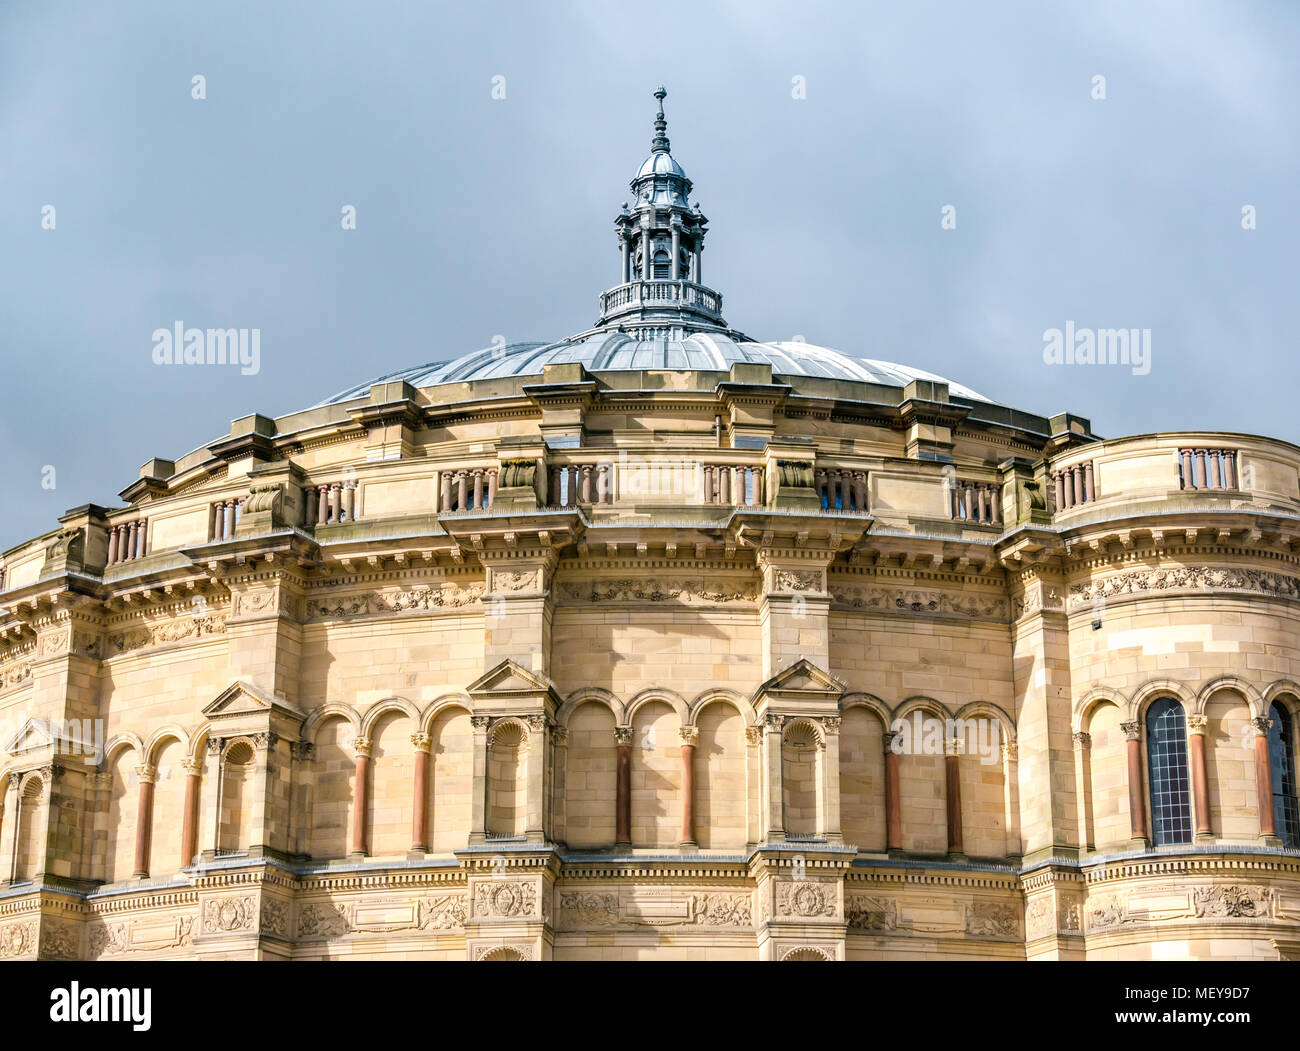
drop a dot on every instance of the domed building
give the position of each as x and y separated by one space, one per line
661 642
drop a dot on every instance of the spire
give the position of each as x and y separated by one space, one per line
660 142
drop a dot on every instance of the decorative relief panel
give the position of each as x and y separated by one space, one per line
992 919
509 898
864 912
18 939
1186 578
919 600
797 580
140 935
445 596
167 631
805 898
229 914
683 590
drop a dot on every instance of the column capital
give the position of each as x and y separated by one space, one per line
421 742
560 735
1262 725
303 751
690 735
361 747
192 767
1132 730
265 740
622 735
480 723
1196 724
1083 740
831 724
1010 751
147 773
774 722
754 735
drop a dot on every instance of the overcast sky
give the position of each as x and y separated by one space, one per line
480 217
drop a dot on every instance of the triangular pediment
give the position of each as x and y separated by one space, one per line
802 679
511 679
243 698
32 736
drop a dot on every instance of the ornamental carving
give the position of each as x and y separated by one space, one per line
165 632
321 920
1190 578
720 910
275 917
1038 917
16 674
589 910
516 473
515 579
506 898
264 498
650 590
229 914
443 913
921 600
108 939
1232 901
867 913
439 596
805 898
992 919
58 941
797 580
795 473
1108 911
17 939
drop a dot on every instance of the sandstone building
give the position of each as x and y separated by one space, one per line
660 642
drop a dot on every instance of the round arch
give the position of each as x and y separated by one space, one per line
330 710
1249 693
381 708
658 693
718 695
1153 690
589 695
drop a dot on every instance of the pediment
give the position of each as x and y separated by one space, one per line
242 699
509 679
32 736
802 679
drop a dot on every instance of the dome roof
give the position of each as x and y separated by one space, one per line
612 351
660 164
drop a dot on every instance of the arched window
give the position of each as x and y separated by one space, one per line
1171 793
663 267
1281 761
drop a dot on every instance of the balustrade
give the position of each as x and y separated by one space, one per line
225 516
127 541
1207 469
732 485
330 503
1072 486
976 502
468 489
587 483
841 489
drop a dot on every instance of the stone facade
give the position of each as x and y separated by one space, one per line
633 663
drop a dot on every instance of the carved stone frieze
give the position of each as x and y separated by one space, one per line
805 898
683 590
167 631
229 914
508 898
1187 578
992 919
417 599
865 912
974 605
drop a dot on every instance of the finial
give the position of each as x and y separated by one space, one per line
660 142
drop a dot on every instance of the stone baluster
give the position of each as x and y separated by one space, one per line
1229 469
462 495
477 474
724 485
336 503
130 540
573 485
350 500
586 483
1185 456
821 487
1058 487
1089 489
492 486
738 486
860 491
112 544
1199 465
708 483
322 504
1214 474
983 503
1076 473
